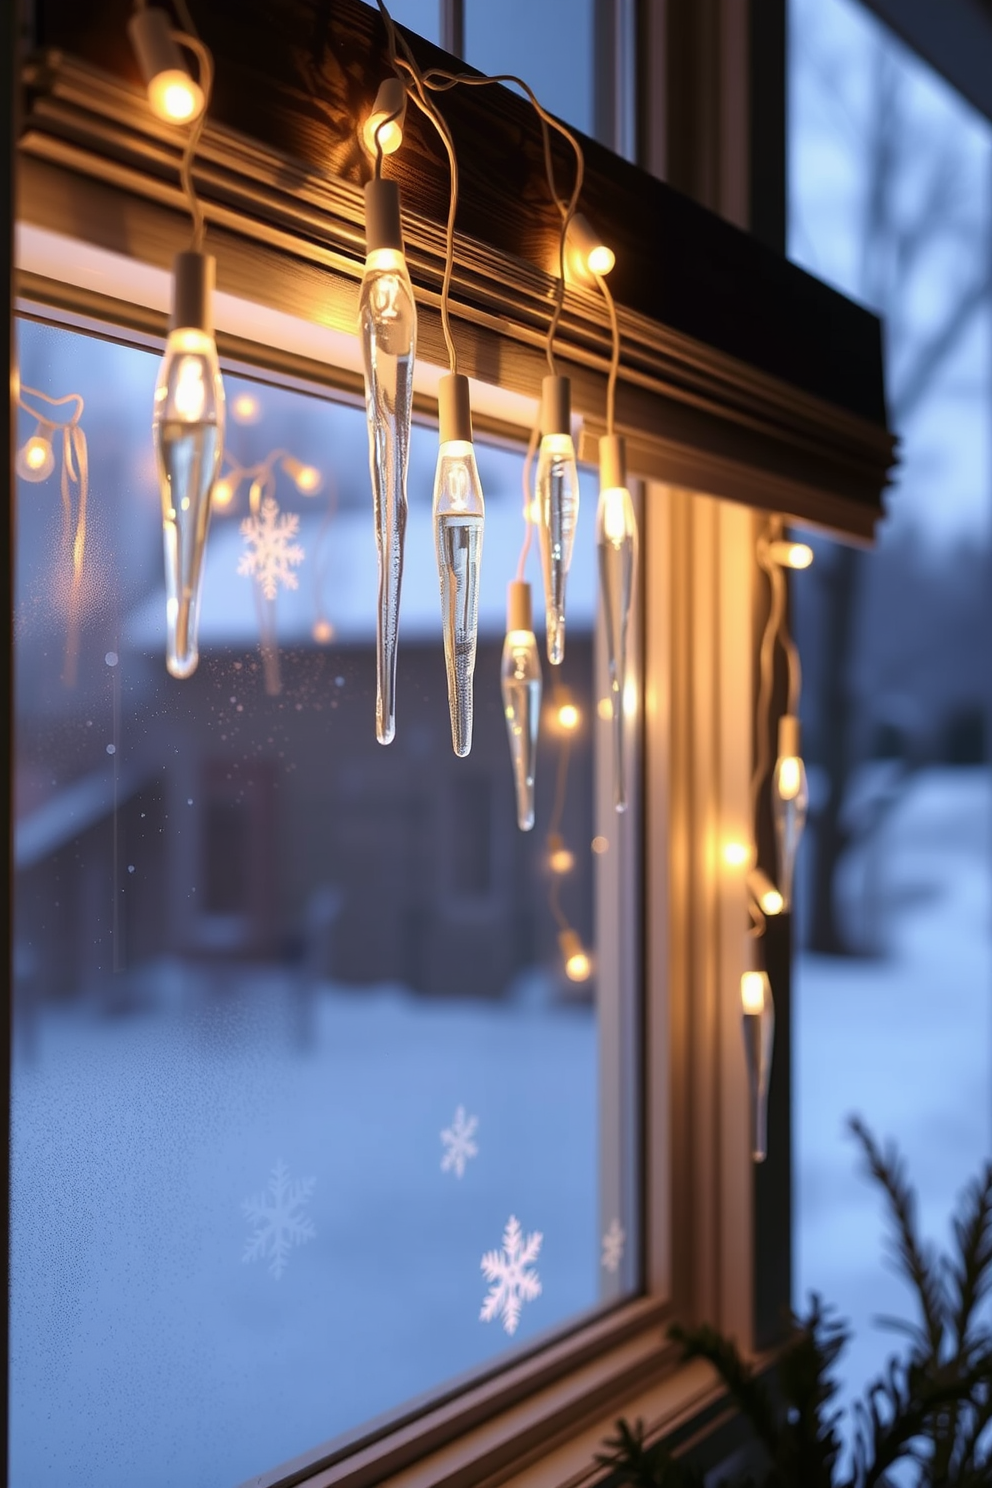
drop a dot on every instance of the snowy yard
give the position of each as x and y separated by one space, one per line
904 1041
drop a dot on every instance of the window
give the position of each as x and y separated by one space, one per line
282 200
890 200
295 1047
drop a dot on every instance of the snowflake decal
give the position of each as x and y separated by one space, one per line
278 1218
271 556
613 1243
457 1139
512 1283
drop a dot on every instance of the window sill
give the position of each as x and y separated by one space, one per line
538 1422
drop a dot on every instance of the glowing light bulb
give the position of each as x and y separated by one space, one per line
575 959
459 519
758 1020
560 860
569 717
172 93
753 991
520 684
586 255
736 854
557 493
175 97
188 430
601 260
388 326
223 494
616 545
790 802
790 554
246 409
766 895
386 119
36 458
323 632
306 478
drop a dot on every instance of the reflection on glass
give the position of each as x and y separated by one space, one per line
261 964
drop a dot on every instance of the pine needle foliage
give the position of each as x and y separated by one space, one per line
930 1409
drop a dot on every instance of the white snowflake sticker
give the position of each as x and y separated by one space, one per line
278 1218
512 1283
271 556
613 1243
458 1144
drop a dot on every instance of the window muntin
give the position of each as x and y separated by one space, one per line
171 1010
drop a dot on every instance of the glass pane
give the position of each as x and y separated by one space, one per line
890 176
294 1049
422 16
548 43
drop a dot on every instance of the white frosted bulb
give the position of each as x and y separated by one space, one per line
459 518
758 1022
172 93
790 802
188 430
520 683
36 458
388 325
557 496
616 546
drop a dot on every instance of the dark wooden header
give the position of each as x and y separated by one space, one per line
742 375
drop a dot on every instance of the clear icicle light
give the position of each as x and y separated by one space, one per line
616 544
188 431
790 802
388 320
459 517
520 680
758 1022
557 498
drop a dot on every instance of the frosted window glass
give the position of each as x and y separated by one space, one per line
293 1048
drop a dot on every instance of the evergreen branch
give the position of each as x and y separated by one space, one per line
972 1274
744 1388
638 1465
911 1256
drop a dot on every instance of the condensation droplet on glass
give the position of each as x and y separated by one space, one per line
130 867
111 748
234 700
600 845
111 658
189 800
338 681
241 707
89 723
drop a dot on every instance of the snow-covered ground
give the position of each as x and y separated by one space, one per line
147 1350
906 1042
